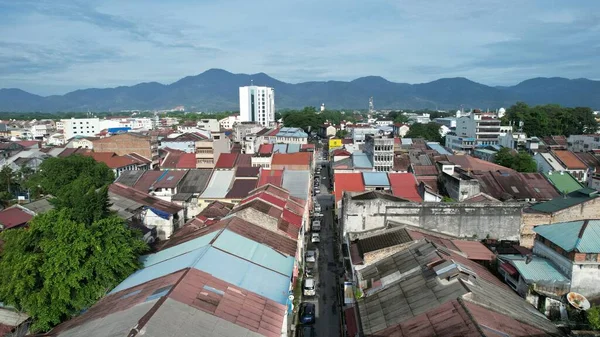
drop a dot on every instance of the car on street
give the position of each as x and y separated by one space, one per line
311 256
309 272
317 191
317 215
315 238
316 226
307 313
317 207
309 287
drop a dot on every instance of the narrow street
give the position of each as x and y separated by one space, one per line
326 270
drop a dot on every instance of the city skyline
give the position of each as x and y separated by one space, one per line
58 46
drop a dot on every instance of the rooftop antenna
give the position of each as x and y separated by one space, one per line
251 82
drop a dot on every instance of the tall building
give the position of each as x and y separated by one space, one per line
80 127
257 104
381 151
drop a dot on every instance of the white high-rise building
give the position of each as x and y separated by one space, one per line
88 127
257 104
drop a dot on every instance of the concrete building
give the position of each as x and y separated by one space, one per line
185 142
230 121
209 150
257 104
484 128
209 124
449 122
40 131
381 150
583 143
359 135
127 143
459 143
241 130
575 248
80 126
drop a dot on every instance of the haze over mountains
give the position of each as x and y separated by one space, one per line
217 90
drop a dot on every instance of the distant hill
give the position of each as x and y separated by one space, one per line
217 90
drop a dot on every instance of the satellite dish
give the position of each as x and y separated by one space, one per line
578 301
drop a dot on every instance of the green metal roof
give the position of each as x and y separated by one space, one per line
562 202
538 269
582 236
564 182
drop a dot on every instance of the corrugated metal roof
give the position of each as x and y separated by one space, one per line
293 148
538 269
174 251
559 203
582 236
292 132
218 185
280 148
255 252
563 181
241 188
404 185
361 160
376 179
347 182
297 183
437 147
552 162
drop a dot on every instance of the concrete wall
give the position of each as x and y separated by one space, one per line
459 189
164 228
587 210
480 220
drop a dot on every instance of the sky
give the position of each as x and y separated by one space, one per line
56 46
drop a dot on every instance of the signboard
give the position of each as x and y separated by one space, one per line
335 143
348 293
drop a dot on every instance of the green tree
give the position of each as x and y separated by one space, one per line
341 134
8 180
593 317
551 119
307 119
59 266
56 175
429 132
401 118
504 157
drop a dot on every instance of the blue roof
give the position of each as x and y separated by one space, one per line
296 182
361 160
280 148
496 147
292 132
538 269
293 148
437 147
376 179
566 235
231 257
255 252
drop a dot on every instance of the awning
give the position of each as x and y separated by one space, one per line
509 268
351 326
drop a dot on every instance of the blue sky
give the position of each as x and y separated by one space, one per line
54 46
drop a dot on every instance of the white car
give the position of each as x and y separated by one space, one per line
311 256
315 238
309 287
317 208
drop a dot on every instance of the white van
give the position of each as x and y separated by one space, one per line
316 226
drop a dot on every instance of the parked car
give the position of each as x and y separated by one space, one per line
317 191
317 207
307 313
317 216
309 287
309 272
311 256
315 238
316 226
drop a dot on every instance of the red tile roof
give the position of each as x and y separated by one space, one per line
404 185
266 148
569 160
429 181
340 152
295 159
425 170
307 146
29 143
250 172
499 322
187 161
275 190
292 218
273 132
347 182
216 209
268 197
274 177
145 182
14 217
226 160
111 159
467 163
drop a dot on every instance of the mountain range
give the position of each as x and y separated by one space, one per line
217 90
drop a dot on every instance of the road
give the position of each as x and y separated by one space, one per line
326 271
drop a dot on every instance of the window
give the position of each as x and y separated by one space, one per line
591 257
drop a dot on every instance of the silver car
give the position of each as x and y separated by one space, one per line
311 256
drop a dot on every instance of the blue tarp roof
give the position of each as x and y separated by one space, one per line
293 148
296 182
280 148
376 179
292 132
538 269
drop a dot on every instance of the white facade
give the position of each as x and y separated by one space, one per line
484 128
41 130
583 143
133 123
257 104
80 126
211 125
229 121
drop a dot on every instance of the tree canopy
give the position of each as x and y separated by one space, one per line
520 161
551 119
429 132
307 119
59 266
